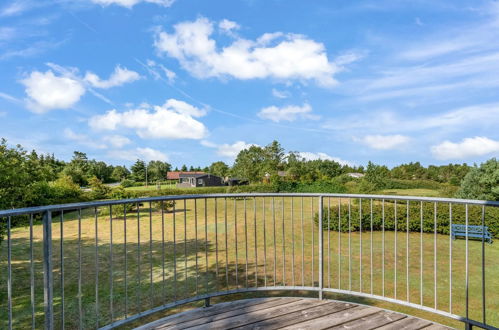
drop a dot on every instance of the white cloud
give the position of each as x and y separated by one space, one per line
273 55
280 94
47 91
119 77
83 139
146 154
228 150
384 142
131 3
468 147
14 8
323 156
288 113
232 150
228 27
173 120
154 70
117 141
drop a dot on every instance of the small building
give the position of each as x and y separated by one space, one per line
191 180
356 175
236 181
175 175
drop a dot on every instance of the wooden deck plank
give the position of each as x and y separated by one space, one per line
248 318
299 316
331 320
372 321
291 313
212 310
409 323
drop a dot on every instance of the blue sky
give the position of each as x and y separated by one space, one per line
195 81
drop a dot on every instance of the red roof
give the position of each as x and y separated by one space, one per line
175 175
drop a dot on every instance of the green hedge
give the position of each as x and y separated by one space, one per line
334 218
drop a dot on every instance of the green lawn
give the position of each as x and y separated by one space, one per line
273 263
152 186
412 192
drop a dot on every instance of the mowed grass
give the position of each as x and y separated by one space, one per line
152 186
229 244
412 192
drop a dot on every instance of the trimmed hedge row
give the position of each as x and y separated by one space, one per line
336 217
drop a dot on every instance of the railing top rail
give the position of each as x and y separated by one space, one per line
84 205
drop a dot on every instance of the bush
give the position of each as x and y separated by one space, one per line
125 183
338 218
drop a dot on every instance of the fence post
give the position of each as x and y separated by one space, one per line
48 279
321 261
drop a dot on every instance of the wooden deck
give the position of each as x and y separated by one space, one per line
290 313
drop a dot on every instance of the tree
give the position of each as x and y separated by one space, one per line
183 168
100 170
219 168
376 175
139 170
481 182
120 173
254 162
77 169
156 170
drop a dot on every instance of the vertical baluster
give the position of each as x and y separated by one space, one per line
256 242
235 238
151 289
360 245
163 274
174 251
371 241
435 253
421 254
9 274
206 243
450 258
216 243
32 273
339 243
186 290
226 247
246 241
329 242
80 305
407 252
111 295
126 260
313 237
302 247
196 241
61 247
321 250
97 309
350 244
292 242
484 319
264 244
274 236
395 251
383 247
283 246
466 266
138 259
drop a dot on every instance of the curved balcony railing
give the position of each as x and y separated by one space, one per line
108 263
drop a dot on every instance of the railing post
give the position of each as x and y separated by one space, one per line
321 263
48 280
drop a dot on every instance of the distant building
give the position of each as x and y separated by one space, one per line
235 181
356 175
190 180
175 175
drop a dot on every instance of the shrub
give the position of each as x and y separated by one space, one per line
338 217
125 183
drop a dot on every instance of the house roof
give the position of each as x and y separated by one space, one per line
175 175
196 175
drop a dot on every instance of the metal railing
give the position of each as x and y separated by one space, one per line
105 264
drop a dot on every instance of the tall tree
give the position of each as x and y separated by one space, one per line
139 170
219 168
156 170
481 182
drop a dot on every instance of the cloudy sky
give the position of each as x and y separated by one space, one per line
195 81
